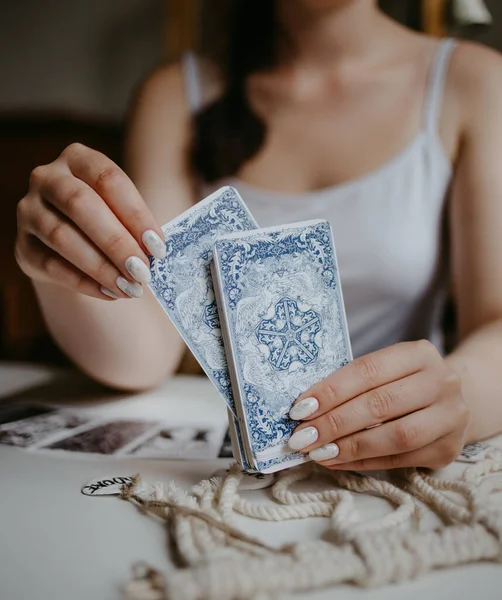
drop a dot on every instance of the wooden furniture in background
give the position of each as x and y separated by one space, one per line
180 26
433 14
25 142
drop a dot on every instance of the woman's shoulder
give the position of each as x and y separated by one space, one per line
158 134
475 70
176 83
473 90
165 84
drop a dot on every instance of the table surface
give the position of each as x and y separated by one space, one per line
57 544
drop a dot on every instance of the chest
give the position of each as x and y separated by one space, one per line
334 134
388 226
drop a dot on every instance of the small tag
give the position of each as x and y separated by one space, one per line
250 481
107 486
473 453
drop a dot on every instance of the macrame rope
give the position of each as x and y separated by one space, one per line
222 563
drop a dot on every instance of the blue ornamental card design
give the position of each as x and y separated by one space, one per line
290 334
182 282
284 328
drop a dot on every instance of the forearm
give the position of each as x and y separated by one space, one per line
478 362
127 344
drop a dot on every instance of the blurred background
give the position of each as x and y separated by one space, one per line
68 70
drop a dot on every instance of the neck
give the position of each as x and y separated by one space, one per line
339 29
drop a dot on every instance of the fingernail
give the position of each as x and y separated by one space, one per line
134 290
108 293
303 409
325 452
303 438
138 270
154 244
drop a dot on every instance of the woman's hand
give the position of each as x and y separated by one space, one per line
408 390
84 226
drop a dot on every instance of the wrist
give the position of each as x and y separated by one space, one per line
470 432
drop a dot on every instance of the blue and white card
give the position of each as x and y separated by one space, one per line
182 284
284 326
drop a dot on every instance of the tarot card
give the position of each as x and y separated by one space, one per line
284 329
30 430
181 442
105 438
182 283
237 443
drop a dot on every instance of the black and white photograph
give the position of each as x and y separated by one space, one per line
26 432
143 427
103 439
182 442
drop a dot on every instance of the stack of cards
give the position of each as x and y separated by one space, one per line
265 319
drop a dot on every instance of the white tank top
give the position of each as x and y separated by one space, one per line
387 226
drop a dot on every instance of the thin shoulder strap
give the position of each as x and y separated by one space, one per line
437 79
191 74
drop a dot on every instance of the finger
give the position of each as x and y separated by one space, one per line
363 374
434 456
81 205
53 268
111 183
61 236
377 406
410 433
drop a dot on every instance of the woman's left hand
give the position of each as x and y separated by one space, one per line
408 390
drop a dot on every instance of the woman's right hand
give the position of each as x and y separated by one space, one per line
84 226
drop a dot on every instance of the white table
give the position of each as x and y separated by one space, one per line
56 544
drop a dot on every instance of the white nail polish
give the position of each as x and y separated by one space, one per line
325 452
134 290
154 244
303 438
109 293
138 270
303 409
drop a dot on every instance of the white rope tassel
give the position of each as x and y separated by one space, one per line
406 514
225 564
378 560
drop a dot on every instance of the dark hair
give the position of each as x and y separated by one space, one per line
242 41
240 37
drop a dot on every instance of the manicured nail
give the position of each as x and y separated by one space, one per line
138 270
325 452
154 244
303 409
303 438
109 293
133 290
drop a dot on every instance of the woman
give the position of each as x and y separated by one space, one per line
308 117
